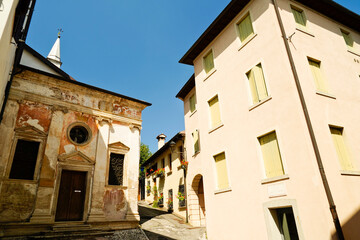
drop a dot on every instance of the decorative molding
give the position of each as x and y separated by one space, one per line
102 121
30 131
119 145
132 126
76 157
63 109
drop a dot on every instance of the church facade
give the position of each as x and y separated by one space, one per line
69 153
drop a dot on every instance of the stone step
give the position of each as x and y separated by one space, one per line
71 227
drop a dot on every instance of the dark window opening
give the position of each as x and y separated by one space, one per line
24 161
79 134
116 169
182 192
286 223
170 162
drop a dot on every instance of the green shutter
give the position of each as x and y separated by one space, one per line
221 170
257 84
192 101
320 82
215 112
299 17
245 28
209 62
195 135
348 39
343 155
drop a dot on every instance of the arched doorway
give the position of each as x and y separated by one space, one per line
196 204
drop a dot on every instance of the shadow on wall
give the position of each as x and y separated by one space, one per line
351 227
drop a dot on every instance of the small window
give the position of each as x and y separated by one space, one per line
271 155
285 221
214 112
221 171
299 16
209 62
192 102
170 162
181 153
163 163
348 39
195 136
245 28
79 133
24 161
116 169
257 84
341 149
181 196
321 84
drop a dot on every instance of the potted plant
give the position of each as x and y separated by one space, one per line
148 190
155 192
181 198
160 172
161 200
170 204
184 164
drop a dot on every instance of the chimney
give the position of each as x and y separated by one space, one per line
161 140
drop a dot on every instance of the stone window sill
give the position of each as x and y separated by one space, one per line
260 103
350 173
212 71
195 154
275 179
193 112
305 31
325 94
218 191
246 41
215 128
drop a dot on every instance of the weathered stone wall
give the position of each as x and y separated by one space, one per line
47 107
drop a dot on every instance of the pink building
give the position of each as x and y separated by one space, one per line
271 122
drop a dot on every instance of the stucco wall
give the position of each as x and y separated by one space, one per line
242 206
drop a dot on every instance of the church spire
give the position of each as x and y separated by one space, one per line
54 54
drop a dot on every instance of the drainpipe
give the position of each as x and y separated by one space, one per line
18 53
310 128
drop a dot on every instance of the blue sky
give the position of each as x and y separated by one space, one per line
131 47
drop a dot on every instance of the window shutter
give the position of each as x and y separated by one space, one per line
221 169
260 82
341 149
245 28
192 101
196 141
254 94
209 62
348 39
299 17
215 112
318 77
271 155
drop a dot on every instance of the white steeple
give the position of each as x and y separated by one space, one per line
54 54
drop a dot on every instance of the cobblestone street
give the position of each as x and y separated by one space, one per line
160 225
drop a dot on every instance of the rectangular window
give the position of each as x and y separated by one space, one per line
348 39
285 221
245 28
182 193
321 84
343 154
299 16
170 162
221 171
181 153
116 169
24 161
214 112
195 136
209 62
192 102
257 84
271 155
163 163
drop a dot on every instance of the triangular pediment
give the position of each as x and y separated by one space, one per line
31 131
119 145
76 157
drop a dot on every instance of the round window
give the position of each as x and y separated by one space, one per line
79 133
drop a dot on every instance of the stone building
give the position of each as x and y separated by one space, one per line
164 176
69 152
274 104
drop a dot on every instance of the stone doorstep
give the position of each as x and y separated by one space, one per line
71 227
